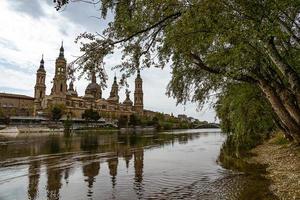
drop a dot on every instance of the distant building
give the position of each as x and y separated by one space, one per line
16 104
92 99
66 95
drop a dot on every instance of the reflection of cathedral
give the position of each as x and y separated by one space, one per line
62 94
34 176
90 171
113 169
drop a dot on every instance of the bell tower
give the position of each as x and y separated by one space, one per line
138 94
114 91
40 87
59 88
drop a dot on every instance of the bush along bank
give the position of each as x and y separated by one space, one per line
254 139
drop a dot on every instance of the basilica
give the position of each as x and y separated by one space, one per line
66 95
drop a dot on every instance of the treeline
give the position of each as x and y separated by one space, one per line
159 121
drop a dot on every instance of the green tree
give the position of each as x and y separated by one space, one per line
57 111
209 44
245 116
90 115
134 120
122 121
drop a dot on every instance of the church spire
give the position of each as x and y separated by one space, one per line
71 86
93 76
42 63
138 73
114 90
61 50
115 79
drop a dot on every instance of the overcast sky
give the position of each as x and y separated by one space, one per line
30 28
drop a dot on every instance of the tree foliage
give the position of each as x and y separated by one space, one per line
209 44
122 121
245 116
56 112
90 115
134 120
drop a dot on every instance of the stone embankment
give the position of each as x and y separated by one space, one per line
283 169
14 131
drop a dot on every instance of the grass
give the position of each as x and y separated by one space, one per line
279 139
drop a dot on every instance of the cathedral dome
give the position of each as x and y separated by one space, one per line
94 89
127 101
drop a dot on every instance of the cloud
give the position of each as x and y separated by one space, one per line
15 90
4 64
8 44
32 8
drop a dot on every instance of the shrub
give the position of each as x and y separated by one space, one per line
57 111
90 115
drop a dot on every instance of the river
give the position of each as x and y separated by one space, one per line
91 165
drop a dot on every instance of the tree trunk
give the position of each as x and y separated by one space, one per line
283 128
291 105
287 71
281 111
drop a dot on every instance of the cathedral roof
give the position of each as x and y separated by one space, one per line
88 96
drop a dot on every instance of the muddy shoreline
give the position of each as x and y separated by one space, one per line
283 167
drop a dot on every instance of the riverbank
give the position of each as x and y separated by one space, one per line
283 160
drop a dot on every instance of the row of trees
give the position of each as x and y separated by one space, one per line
158 121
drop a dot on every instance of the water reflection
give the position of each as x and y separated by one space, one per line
90 169
112 166
138 171
33 175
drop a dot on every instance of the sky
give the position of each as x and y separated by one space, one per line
30 28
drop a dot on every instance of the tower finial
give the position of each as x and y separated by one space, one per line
93 76
138 73
71 85
115 78
61 51
42 62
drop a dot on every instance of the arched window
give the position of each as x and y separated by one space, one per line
41 94
61 87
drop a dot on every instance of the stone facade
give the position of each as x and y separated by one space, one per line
67 96
16 105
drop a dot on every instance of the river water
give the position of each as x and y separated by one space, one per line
170 165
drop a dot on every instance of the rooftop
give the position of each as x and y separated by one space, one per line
18 96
